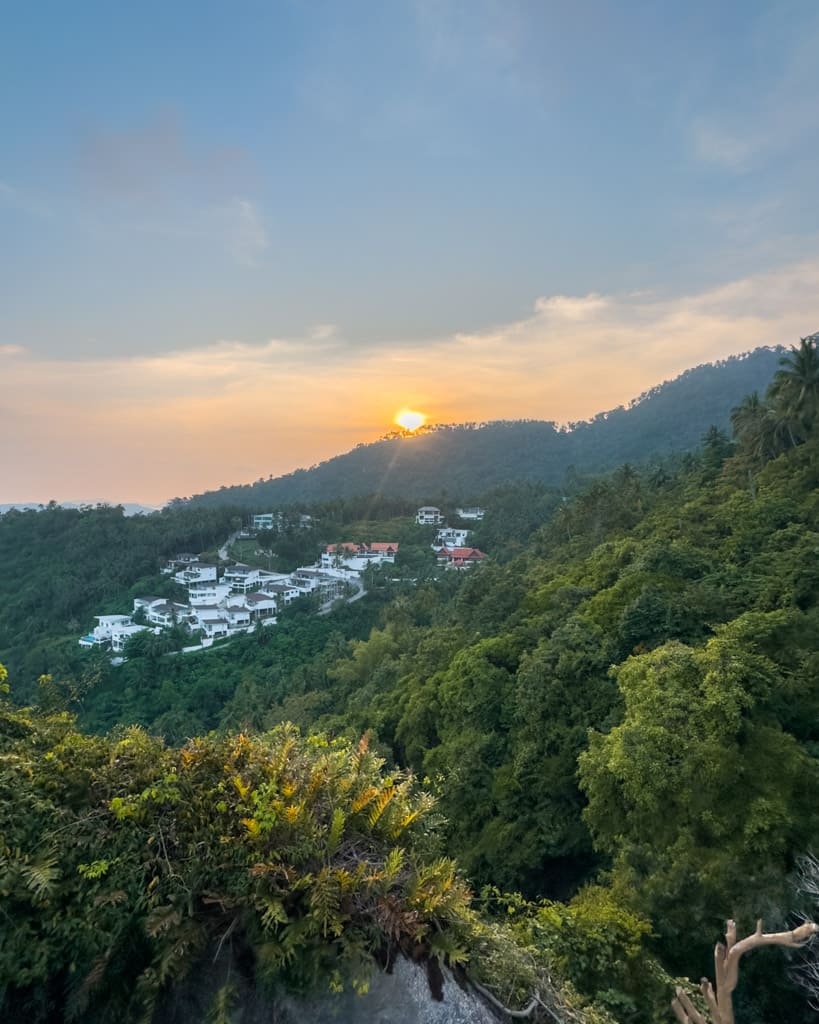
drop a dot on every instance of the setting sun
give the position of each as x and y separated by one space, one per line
409 419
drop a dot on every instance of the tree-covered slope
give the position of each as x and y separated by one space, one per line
462 462
60 566
619 711
145 883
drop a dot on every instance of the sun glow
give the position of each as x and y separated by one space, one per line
409 419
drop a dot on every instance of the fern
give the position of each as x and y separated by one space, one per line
219 1011
336 830
40 876
393 863
363 799
381 804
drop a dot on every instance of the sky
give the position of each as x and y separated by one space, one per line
236 238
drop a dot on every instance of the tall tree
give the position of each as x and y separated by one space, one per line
795 387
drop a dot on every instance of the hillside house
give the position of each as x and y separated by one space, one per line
357 557
260 606
242 578
279 521
167 613
471 512
383 551
449 537
180 561
198 572
267 521
101 634
459 558
111 630
328 585
212 623
122 634
207 593
428 515
284 593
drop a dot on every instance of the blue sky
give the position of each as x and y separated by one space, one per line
359 181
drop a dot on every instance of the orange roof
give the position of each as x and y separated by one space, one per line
382 546
463 552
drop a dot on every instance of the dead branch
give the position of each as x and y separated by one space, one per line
527 1012
726 970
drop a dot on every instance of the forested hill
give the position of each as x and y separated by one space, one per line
619 723
464 461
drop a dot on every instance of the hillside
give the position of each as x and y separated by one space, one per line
464 461
617 721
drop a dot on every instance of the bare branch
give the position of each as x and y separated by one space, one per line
684 1009
726 970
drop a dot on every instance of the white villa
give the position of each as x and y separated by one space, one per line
197 572
284 593
429 515
244 578
181 561
278 521
450 537
207 593
356 557
472 512
267 521
243 598
113 630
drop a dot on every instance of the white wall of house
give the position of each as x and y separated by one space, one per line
123 633
428 515
199 573
449 537
208 593
471 512
106 624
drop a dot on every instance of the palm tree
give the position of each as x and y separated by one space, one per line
752 428
795 388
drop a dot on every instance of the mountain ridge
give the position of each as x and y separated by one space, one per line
463 461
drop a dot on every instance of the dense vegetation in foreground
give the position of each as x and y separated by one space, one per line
270 862
621 714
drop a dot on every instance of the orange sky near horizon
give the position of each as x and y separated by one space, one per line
149 428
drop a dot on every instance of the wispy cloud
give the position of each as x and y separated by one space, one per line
771 119
153 178
245 232
155 157
11 350
715 143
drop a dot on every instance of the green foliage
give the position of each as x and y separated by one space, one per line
620 712
301 848
700 789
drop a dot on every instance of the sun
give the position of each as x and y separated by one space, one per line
409 419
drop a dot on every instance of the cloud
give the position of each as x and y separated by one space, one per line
779 107
153 178
321 332
714 144
11 350
183 421
245 233
157 158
